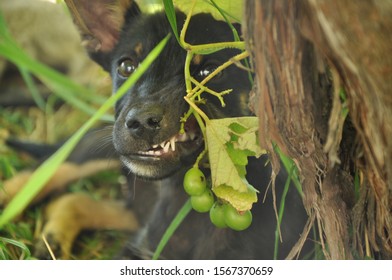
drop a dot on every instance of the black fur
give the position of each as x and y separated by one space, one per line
150 113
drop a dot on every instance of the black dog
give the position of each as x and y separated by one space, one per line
148 117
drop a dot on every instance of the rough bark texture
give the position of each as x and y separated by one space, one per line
305 53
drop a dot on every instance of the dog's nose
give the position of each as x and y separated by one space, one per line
145 122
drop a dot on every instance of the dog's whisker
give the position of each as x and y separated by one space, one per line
103 140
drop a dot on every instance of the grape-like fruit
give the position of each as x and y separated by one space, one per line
202 203
194 182
236 220
217 215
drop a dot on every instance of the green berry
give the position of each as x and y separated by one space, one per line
237 220
194 182
217 215
202 203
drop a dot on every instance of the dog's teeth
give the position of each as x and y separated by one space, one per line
163 144
192 136
173 144
166 147
155 146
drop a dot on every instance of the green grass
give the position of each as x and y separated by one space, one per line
71 93
184 211
6 253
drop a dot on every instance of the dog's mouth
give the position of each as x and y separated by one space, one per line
167 147
180 144
160 159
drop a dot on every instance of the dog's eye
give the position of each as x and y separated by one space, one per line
126 67
207 70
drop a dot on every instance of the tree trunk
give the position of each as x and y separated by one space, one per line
314 61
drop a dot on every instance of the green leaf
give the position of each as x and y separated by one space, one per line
223 170
241 170
238 157
242 201
229 142
231 8
245 129
249 141
238 128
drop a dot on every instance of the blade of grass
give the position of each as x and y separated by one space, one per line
6 168
223 14
171 16
281 212
44 172
3 252
33 88
184 211
4 32
291 169
289 164
235 34
60 84
18 244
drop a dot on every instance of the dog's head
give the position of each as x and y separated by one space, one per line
146 130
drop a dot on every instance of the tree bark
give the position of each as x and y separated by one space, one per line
314 61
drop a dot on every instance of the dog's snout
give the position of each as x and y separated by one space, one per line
144 122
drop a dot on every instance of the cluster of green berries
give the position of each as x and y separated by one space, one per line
222 214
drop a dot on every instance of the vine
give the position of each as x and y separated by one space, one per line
228 142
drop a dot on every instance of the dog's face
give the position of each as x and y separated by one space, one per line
147 122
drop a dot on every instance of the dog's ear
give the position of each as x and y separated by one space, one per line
100 23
